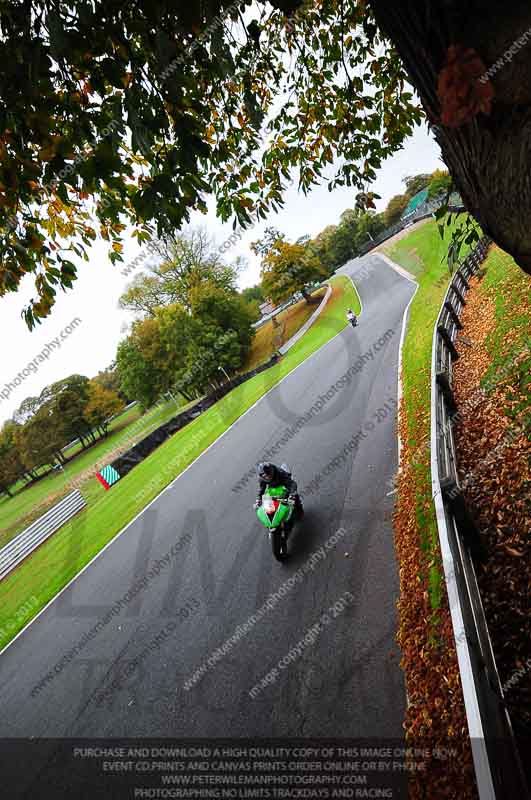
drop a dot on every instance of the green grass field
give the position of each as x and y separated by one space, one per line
46 571
117 424
423 252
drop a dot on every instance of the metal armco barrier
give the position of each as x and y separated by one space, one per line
26 542
497 764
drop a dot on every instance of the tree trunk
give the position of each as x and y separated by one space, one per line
487 151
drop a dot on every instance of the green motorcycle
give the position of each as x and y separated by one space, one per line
277 515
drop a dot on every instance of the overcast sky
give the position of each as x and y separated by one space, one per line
94 298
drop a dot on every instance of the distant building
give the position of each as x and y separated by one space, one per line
419 204
414 203
267 307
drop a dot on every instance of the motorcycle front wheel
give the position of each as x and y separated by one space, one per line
279 545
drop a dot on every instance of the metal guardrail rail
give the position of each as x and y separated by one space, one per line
497 764
26 542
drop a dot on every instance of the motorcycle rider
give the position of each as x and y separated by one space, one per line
271 475
352 318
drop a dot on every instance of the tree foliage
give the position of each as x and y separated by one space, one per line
395 208
440 184
180 350
119 114
337 244
289 268
42 426
109 379
101 405
142 362
189 262
189 304
253 294
416 183
64 402
212 306
40 440
262 247
11 466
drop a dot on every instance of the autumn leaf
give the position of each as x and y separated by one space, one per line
513 552
47 153
461 94
496 322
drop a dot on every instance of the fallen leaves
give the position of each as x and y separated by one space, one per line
513 552
493 448
435 715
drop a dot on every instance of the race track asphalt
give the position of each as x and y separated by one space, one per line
347 681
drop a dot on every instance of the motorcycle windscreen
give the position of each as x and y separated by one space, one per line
276 491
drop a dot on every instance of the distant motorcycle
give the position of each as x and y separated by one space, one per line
352 319
277 514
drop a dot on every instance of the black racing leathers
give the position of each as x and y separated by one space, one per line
280 478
